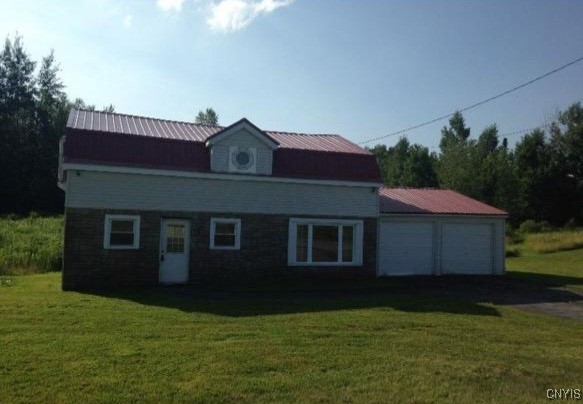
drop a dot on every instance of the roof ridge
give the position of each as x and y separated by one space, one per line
304 134
148 117
423 188
283 132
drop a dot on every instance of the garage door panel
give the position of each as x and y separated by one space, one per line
467 248
406 248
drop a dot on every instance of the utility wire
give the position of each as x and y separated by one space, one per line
477 104
518 132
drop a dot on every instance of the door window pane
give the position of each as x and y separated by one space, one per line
325 243
302 243
347 243
174 238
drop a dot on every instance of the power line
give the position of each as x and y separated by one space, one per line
477 104
518 132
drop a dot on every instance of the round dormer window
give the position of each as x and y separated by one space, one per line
243 159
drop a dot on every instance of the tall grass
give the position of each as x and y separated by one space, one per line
554 241
31 244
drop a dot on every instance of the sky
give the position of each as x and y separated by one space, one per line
361 69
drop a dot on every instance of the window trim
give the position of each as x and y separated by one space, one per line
357 242
107 232
226 220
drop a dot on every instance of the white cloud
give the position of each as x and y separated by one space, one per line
233 15
128 20
170 5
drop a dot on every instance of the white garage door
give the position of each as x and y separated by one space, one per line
406 248
467 249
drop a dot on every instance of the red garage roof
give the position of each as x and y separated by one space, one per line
125 140
432 201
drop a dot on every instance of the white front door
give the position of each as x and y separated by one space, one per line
174 250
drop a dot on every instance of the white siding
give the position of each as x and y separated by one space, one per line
102 190
243 138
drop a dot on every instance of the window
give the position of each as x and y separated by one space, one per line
325 242
242 159
225 234
175 238
122 232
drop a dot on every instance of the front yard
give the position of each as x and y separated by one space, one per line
398 341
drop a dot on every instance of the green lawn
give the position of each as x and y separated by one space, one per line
563 268
157 346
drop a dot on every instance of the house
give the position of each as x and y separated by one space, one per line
153 201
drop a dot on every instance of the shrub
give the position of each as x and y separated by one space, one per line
531 226
512 252
513 236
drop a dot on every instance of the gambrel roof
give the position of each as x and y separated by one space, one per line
94 137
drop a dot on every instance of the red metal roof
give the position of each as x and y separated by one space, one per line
130 141
432 201
160 128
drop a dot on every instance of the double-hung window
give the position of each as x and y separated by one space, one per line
225 234
122 232
321 242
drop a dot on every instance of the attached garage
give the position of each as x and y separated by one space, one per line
438 232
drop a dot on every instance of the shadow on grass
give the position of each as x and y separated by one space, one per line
464 295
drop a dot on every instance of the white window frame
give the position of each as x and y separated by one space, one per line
227 220
356 242
107 233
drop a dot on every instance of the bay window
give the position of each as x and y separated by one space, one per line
321 242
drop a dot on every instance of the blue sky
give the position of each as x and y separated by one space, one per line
358 68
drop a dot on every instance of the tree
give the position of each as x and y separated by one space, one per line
208 117
455 169
18 124
33 113
406 165
52 110
456 133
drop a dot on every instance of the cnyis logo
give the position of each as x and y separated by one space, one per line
564 394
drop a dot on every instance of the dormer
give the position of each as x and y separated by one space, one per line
241 148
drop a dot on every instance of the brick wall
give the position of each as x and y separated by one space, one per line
263 253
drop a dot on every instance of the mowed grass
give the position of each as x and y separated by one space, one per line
552 257
31 244
162 346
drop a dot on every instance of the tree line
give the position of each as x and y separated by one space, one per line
540 179
33 113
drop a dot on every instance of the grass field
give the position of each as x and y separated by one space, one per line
552 241
350 345
30 245
154 346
